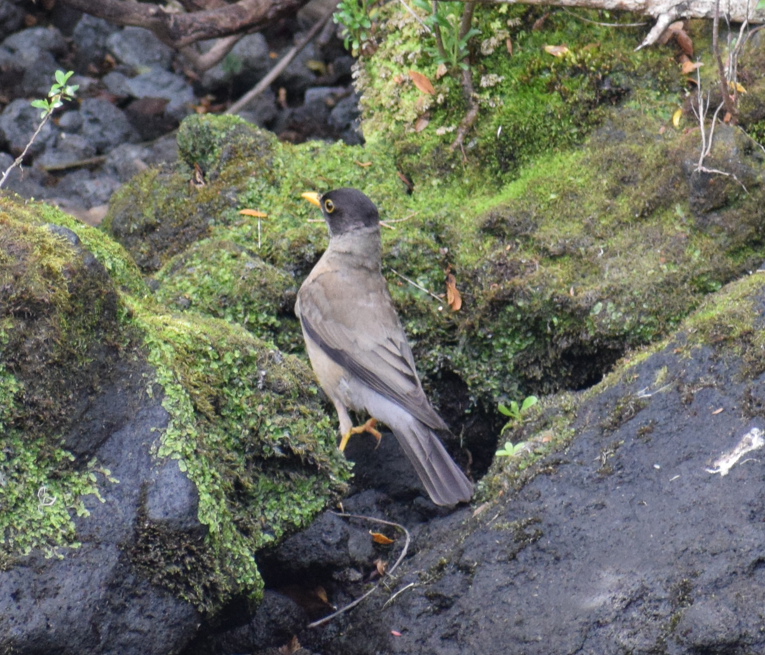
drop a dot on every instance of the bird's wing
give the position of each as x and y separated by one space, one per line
353 321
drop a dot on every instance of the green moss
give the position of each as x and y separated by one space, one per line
244 428
221 279
246 421
58 316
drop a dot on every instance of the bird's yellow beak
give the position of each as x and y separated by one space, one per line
312 197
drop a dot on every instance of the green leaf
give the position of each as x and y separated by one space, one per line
530 401
40 104
503 410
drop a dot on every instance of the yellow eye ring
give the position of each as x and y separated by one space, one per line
329 206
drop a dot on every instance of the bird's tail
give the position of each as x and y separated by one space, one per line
445 483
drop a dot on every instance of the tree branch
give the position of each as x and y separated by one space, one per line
178 30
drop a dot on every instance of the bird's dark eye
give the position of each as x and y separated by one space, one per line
329 206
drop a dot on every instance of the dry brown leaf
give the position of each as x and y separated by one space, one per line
556 50
253 212
321 593
198 176
738 88
422 83
381 566
509 46
292 646
281 97
539 22
717 411
380 538
395 633
453 297
362 164
685 43
441 71
422 123
690 66
727 117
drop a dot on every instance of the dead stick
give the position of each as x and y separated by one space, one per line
283 63
404 551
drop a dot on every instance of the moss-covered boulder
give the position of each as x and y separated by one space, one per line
586 254
144 457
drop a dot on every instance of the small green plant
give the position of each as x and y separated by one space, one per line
356 17
514 412
450 46
511 450
59 92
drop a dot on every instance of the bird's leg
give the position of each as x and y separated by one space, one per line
369 426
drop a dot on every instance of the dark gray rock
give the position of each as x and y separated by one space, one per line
345 114
93 599
629 541
158 83
127 160
91 189
67 149
11 18
38 73
297 77
104 125
89 40
247 63
47 39
29 57
70 121
262 110
116 84
172 500
325 94
18 123
139 49
163 150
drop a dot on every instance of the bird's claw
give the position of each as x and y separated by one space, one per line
369 426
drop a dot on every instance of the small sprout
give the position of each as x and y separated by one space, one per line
58 94
511 450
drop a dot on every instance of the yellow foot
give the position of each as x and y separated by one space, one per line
369 426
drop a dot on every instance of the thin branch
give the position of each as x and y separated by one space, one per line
203 62
416 17
730 106
283 63
178 29
20 158
404 551
414 284
467 84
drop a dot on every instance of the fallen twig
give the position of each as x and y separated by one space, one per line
205 61
404 551
414 284
283 63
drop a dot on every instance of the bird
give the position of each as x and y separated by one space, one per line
358 348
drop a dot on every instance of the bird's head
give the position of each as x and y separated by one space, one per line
345 210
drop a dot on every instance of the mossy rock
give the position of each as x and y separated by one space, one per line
84 350
589 253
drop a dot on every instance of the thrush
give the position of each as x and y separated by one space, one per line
358 349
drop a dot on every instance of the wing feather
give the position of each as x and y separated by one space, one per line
365 338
